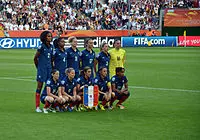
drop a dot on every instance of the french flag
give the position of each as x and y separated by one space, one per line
90 96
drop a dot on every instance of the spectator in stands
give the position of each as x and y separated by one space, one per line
84 15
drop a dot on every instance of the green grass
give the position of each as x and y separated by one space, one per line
164 103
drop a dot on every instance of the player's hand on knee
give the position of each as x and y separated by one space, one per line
126 92
78 97
49 99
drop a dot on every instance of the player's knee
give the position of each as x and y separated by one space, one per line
49 99
78 98
61 100
112 94
66 98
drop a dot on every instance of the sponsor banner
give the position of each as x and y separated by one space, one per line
191 41
182 18
160 41
81 33
21 43
18 43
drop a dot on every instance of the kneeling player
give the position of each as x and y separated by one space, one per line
84 80
105 91
52 92
68 89
118 81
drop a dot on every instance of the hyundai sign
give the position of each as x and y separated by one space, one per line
8 43
157 41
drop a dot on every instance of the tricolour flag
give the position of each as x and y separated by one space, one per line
90 96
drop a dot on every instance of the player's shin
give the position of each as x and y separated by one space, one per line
113 100
47 104
123 98
37 98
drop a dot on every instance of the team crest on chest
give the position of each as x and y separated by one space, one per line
118 58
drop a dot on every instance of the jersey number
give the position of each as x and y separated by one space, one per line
64 59
76 58
91 60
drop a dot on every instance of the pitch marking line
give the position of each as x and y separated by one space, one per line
132 87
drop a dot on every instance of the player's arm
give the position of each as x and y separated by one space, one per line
52 61
95 65
114 89
74 91
125 87
59 92
80 60
63 92
102 92
79 87
109 88
50 94
124 58
36 58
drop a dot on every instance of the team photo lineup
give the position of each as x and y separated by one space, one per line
99 69
67 72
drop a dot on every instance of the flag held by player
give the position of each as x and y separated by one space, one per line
90 96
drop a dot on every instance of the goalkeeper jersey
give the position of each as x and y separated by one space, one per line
117 58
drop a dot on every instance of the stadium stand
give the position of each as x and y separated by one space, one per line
64 15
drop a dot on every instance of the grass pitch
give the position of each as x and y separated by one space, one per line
164 103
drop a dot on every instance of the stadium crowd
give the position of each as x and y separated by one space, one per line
84 14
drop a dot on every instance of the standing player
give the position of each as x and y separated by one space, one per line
52 92
68 89
117 55
103 58
73 56
118 81
60 57
105 91
88 56
43 63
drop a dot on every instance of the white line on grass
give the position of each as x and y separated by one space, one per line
137 87
165 89
17 79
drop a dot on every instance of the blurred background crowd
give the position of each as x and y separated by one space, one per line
64 15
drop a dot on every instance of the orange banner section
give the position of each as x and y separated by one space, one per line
81 33
181 18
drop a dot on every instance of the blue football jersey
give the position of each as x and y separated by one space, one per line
102 83
87 58
73 59
60 60
53 86
83 81
103 60
119 82
69 85
45 57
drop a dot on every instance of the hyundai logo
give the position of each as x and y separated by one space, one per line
7 43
